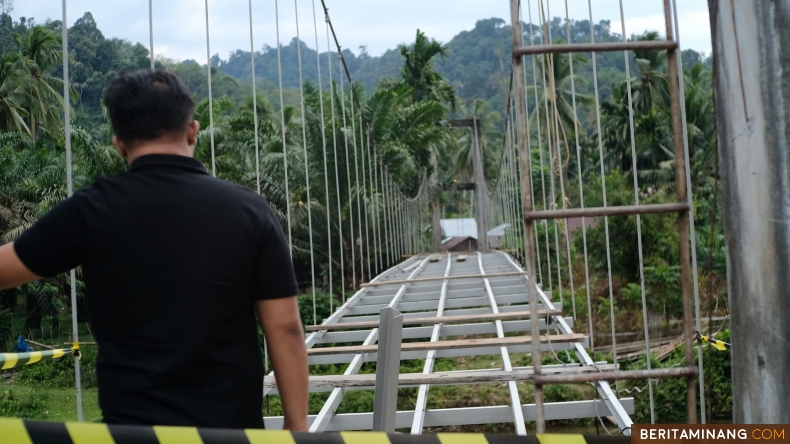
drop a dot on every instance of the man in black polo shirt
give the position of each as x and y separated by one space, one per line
176 264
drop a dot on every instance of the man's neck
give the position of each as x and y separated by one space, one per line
159 147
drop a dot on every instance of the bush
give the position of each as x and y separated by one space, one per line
26 408
60 374
6 330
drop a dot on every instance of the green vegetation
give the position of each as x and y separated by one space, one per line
407 96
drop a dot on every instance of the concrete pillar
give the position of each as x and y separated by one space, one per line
751 46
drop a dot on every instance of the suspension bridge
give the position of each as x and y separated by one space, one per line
483 303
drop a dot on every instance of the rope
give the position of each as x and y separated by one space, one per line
638 218
70 190
603 185
210 97
283 130
337 174
306 166
326 174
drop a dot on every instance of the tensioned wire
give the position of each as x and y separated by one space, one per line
635 174
581 185
372 203
257 154
540 149
326 173
376 207
150 30
549 142
365 193
548 76
283 128
356 170
690 197
348 181
337 174
513 136
562 175
603 183
70 191
306 166
210 97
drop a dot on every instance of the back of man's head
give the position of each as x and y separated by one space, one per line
148 105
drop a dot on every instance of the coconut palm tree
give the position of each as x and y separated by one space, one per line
12 94
40 55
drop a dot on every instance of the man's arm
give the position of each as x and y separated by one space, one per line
282 327
13 272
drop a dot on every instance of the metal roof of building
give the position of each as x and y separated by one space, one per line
459 227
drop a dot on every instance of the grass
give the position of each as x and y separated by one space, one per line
52 404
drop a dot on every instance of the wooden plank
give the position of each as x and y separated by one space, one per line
441 378
442 278
459 319
666 350
447 345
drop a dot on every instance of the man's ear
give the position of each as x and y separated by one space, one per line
193 128
121 147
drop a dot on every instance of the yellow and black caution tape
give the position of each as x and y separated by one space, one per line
13 360
718 345
17 431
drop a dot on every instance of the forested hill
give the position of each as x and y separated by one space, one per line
477 63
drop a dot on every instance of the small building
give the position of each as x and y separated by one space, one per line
461 234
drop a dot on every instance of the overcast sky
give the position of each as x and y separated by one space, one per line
180 26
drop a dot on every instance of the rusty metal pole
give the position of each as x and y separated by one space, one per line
436 206
526 199
481 196
750 40
683 218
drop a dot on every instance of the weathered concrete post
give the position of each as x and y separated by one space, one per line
751 46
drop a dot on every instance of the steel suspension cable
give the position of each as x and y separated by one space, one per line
326 173
283 128
548 73
255 107
348 182
374 204
70 190
529 151
581 184
150 31
377 208
365 187
603 181
337 174
306 166
635 173
540 145
690 197
210 97
356 170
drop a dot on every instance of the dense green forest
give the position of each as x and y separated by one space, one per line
407 97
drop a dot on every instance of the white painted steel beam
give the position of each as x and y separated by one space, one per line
331 405
518 414
467 415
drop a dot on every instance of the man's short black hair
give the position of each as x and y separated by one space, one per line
145 105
